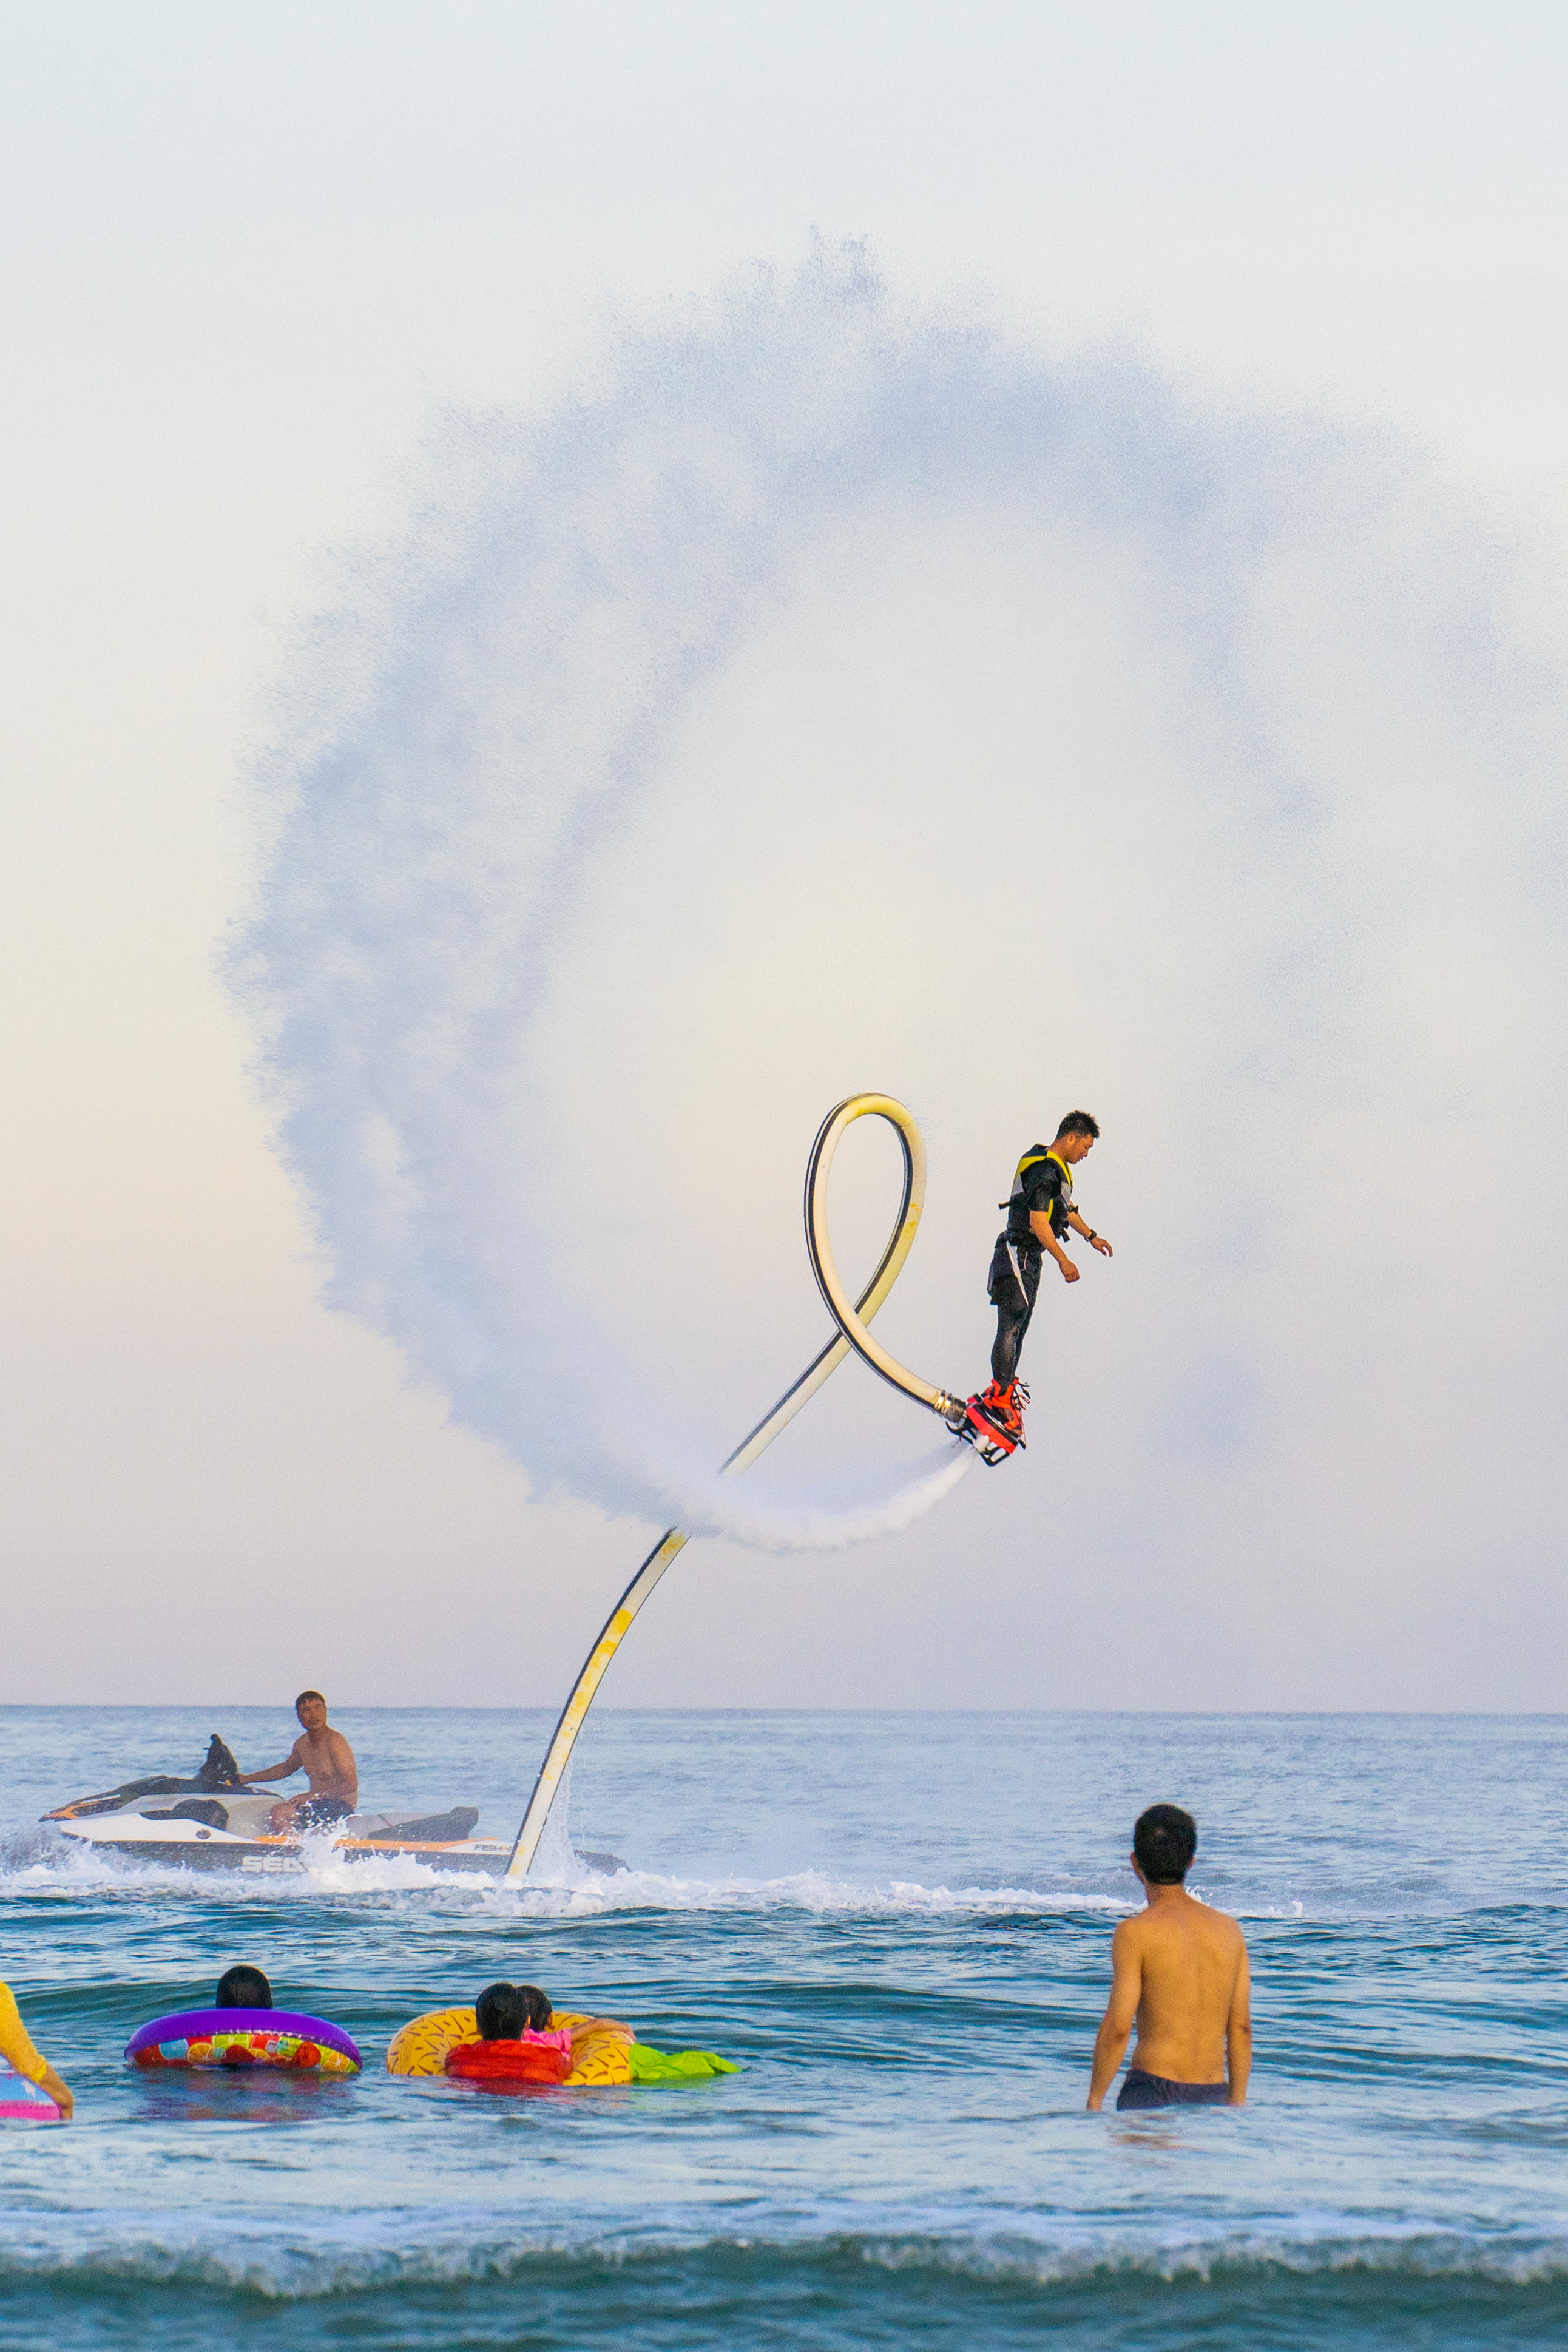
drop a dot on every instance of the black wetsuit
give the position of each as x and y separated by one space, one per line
1043 1183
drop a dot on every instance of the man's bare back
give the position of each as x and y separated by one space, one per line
1180 1974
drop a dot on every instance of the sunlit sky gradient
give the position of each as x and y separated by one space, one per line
253 249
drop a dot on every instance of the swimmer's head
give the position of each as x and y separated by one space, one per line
311 1709
501 2013
243 1987
1164 1840
539 2010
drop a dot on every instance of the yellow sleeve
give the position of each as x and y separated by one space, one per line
13 2042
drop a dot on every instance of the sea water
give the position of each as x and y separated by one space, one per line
899 1925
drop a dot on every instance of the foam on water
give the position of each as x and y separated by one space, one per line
168 2249
564 1888
571 1888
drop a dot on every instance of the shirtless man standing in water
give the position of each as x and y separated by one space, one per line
328 1760
1179 1972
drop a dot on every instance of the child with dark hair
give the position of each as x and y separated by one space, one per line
520 2039
243 1987
509 2012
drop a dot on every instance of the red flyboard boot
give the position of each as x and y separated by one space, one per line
994 1421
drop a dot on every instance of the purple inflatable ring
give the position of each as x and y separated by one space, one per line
237 2038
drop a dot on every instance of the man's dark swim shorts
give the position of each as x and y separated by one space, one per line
319 1813
1141 2090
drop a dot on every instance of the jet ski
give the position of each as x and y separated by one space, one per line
214 1821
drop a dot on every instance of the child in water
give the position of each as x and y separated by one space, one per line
243 1987
509 2012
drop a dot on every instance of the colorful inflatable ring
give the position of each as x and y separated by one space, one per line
245 2037
422 2047
22 2102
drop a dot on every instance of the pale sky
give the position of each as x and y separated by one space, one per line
253 251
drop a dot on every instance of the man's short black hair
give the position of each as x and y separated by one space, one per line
243 1987
1078 1122
500 2012
1164 1840
300 1702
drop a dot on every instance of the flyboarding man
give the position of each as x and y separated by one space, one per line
1040 1210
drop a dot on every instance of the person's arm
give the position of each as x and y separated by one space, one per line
289 1765
50 2081
1120 2012
1238 2035
1095 1241
1040 1227
345 1767
16 2049
611 2026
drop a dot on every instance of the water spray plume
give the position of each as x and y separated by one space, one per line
466 737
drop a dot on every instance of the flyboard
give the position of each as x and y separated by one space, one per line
961 1415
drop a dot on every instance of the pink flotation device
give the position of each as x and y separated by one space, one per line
22 2102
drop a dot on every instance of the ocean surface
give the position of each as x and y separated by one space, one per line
899 1925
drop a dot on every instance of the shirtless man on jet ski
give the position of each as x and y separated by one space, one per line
328 1760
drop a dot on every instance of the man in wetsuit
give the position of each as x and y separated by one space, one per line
1040 1211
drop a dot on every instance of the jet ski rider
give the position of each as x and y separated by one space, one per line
1039 1211
328 1760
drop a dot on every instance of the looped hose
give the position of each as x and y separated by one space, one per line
852 1318
851 1323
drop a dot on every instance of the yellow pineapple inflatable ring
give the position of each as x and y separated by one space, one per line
422 2047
